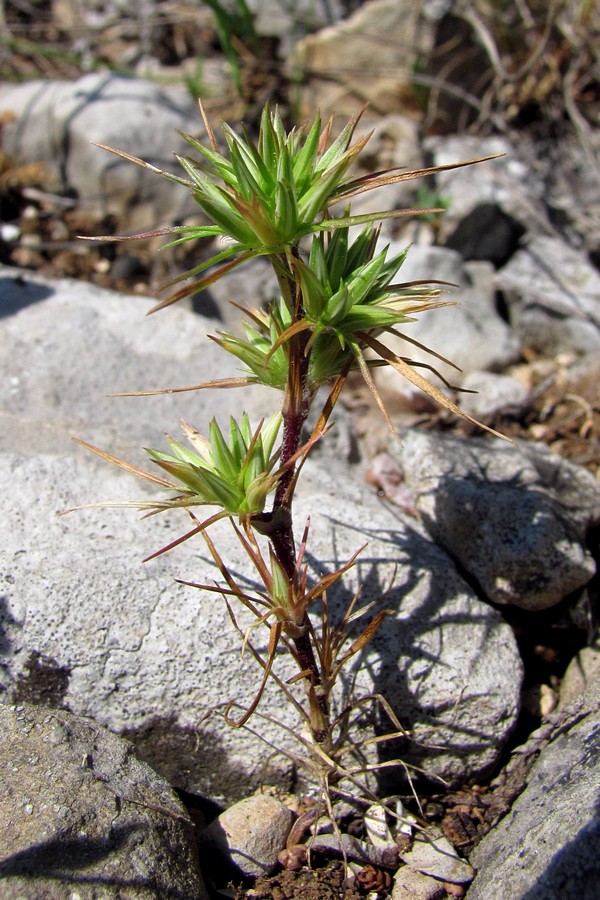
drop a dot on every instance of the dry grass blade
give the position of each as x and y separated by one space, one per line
133 470
196 286
145 165
363 639
273 642
189 534
379 179
218 384
419 381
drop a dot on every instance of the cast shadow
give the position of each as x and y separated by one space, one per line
17 293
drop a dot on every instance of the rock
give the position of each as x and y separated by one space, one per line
495 394
250 834
545 848
290 23
579 685
58 121
349 64
553 293
471 333
151 657
411 885
573 192
79 810
514 519
507 187
437 857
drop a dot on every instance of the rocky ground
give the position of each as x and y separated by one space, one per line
521 239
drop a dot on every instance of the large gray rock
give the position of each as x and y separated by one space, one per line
546 848
514 518
58 121
81 816
507 183
553 292
150 657
471 333
492 394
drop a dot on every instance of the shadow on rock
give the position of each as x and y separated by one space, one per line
16 294
440 658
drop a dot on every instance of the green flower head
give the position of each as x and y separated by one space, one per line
235 474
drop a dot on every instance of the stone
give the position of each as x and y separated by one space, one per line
514 518
57 123
469 332
546 847
348 64
574 190
495 394
411 885
553 295
155 659
437 857
579 685
250 834
79 810
507 184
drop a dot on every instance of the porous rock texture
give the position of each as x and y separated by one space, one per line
514 518
81 816
553 292
148 656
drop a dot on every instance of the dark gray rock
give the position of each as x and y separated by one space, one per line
514 518
81 816
487 233
546 848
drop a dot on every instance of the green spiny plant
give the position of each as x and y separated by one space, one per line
338 298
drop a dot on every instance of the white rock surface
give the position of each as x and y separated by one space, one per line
146 656
546 847
495 394
365 59
250 834
58 121
470 334
438 858
411 885
507 182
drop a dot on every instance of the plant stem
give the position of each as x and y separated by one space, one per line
296 407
